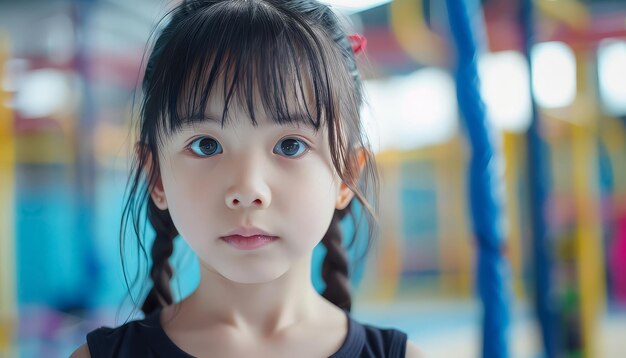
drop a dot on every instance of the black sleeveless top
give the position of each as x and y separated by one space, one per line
146 338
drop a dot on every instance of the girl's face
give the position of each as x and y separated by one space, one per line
274 178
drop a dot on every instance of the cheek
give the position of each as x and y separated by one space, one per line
187 195
310 204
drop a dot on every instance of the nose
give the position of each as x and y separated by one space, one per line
241 197
249 190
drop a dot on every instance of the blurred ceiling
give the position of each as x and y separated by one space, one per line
121 28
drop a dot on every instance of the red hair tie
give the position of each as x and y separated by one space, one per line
358 43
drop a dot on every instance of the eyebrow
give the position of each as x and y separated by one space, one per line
188 121
296 120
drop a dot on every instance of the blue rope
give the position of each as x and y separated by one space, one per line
485 206
538 181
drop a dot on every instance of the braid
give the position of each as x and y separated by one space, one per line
162 248
335 266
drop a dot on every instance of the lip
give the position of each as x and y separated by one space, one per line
248 231
248 238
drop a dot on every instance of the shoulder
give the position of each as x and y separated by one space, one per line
129 339
81 352
393 342
412 351
380 341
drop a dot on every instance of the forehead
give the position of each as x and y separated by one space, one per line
230 98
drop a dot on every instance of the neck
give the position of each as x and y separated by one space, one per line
261 307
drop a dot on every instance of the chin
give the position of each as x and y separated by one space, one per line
256 278
253 274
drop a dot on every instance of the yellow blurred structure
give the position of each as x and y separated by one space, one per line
413 34
584 132
513 148
454 241
8 309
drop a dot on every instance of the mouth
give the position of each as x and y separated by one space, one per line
249 242
248 238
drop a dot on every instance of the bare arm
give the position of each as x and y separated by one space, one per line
83 352
412 351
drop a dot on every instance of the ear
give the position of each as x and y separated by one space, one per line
157 193
345 193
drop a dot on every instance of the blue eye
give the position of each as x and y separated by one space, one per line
291 147
205 147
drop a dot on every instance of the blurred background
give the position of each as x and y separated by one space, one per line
503 209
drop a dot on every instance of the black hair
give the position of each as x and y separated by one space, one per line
239 47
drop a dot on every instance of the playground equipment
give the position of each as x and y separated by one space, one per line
568 291
484 183
538 182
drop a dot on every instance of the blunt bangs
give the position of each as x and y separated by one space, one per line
274 59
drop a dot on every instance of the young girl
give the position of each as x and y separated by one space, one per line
252 150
